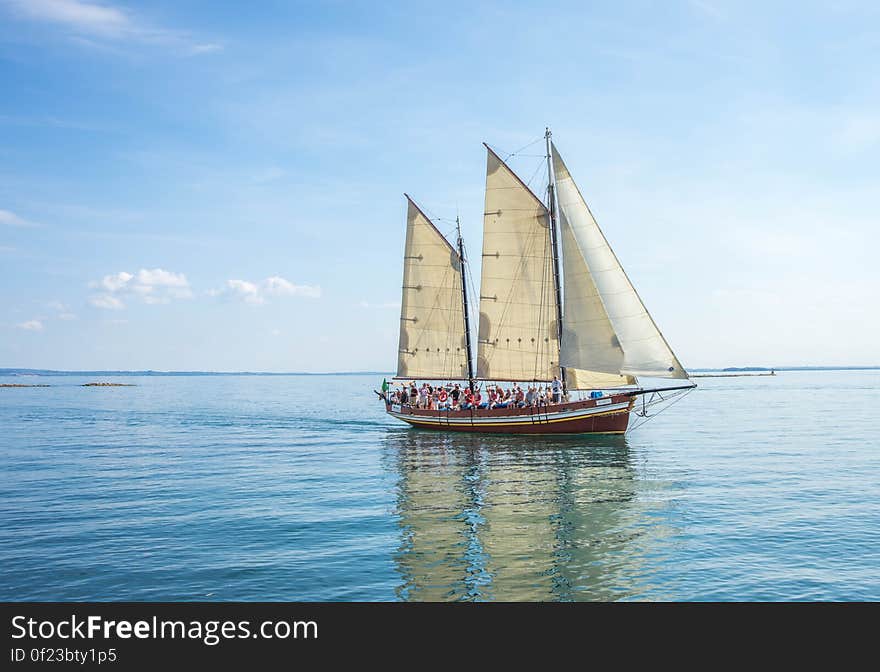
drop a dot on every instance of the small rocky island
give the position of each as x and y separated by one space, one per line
108 385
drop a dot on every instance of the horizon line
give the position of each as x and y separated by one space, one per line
169 372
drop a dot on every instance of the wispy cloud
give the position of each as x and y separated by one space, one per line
62 310
150 285
105 21
11 219
31 325
708 8
858 133
268 175
382 305
259 293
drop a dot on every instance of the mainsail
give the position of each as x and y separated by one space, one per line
432 333
607 327
517 332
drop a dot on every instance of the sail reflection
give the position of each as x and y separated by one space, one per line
515 518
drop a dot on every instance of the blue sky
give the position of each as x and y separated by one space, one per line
209 185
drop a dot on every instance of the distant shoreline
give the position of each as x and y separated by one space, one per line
51 372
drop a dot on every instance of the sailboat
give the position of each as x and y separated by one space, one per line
555 307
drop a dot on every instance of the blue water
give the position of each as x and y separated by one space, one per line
299 488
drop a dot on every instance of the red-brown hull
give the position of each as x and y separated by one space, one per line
608 415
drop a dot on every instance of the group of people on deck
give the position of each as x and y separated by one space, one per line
457 398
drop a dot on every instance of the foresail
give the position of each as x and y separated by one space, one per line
590 351
432 340
517 332
645 351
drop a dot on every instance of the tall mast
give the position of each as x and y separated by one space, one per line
554 242
464 300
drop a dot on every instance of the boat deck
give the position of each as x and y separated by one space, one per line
605 415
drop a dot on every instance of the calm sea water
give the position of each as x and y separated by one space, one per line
299 488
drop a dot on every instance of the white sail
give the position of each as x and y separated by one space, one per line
517 332
645 351
432 337
590 351
581 379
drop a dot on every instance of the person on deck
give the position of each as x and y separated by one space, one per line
478 400
507 399
455 394
468 400
442 399
493 397
557 389
542 396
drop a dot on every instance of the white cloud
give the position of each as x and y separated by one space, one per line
31 325
11 219
257 293
246 291
160 278
106 301
107 22
114 283
278 286
158 286
153 286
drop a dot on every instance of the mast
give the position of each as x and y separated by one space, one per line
554 242
464 300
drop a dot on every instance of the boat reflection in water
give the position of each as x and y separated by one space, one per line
512 518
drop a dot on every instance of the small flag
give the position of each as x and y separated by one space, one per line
384 385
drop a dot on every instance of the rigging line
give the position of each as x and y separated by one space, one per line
519 272
473 298
670 405
433 307
432 215
544 309
473 301
540 167
534 142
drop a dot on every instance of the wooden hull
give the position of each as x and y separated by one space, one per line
608 415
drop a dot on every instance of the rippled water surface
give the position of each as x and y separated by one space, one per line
253 488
